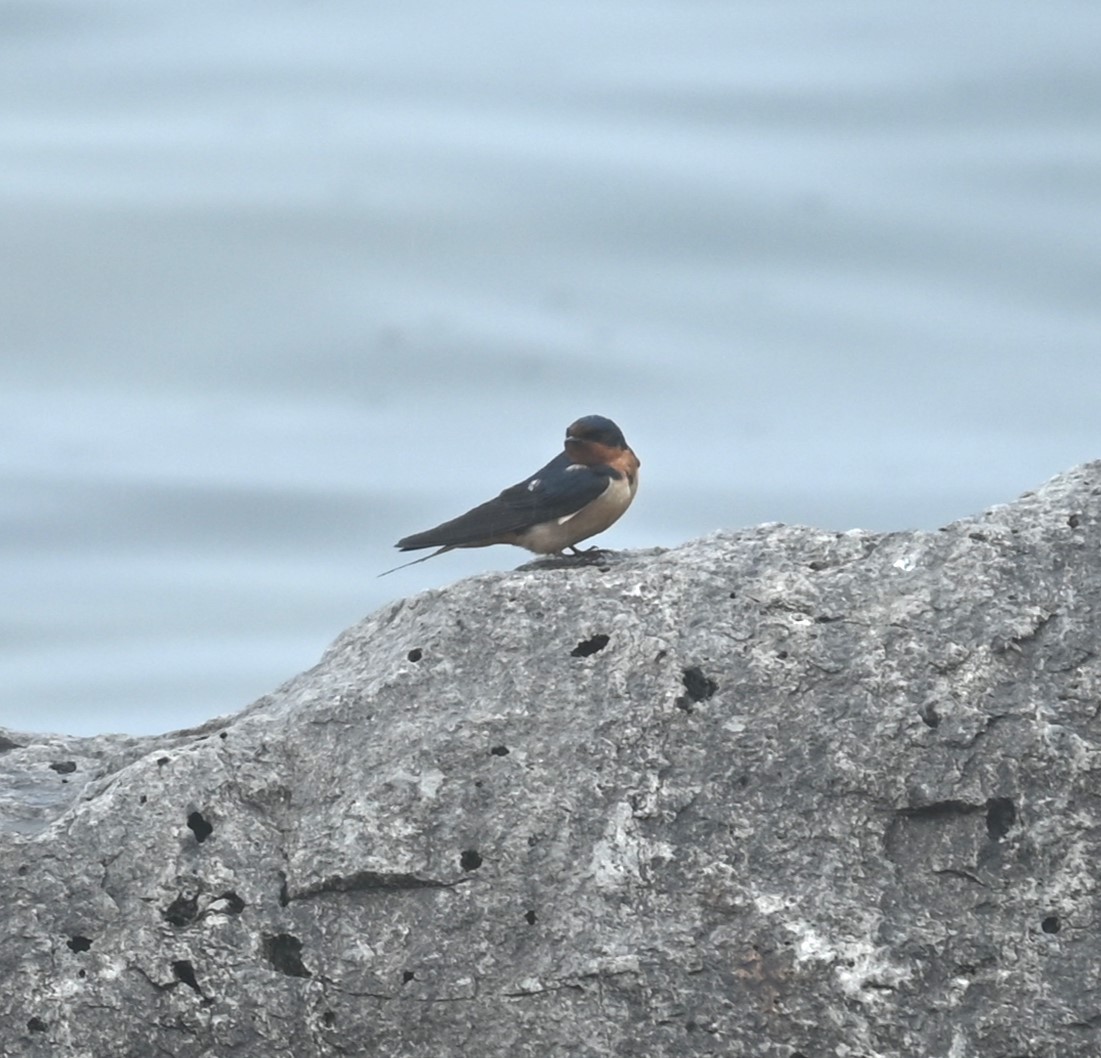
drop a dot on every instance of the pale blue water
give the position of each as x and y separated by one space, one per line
286 281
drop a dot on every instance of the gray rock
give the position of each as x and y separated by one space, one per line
776 792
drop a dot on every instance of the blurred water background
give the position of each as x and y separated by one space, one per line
286 281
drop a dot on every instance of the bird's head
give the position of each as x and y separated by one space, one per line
594 439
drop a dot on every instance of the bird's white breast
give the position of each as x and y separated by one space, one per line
593 518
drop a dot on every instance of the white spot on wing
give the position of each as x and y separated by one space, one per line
533 484
577 466
566 517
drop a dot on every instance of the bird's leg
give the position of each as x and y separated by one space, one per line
594 550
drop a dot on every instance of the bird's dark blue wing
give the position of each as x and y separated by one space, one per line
562 487
558 489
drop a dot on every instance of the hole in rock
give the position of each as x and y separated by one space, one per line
183 971
36 1025
63 767
529 917
284 952
143 799
234 904
698 686
78 943
470 860
284 892
1051 924
162 761
1074 521
223 736
588 647
181 911
415 654
499 751
199 827
329 1018
1000 817
929 715
407 976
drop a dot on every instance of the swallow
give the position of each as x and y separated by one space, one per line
578 494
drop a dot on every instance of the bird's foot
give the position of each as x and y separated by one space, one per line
586 556
571 559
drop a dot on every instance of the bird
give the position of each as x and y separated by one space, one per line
578 494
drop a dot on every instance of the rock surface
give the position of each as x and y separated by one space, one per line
777 792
